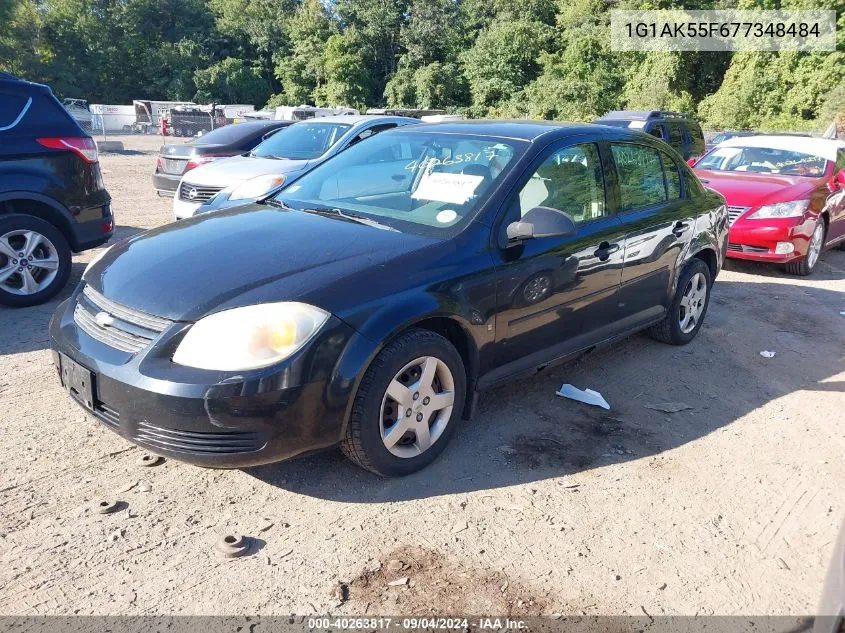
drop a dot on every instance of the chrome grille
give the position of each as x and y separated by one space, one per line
116 325
735 212
200 194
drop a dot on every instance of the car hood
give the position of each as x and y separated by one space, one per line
230 171
751 189
247 255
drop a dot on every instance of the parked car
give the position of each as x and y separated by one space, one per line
785 194
678 130
276 161
830 616
52 197
175 159
369 301
721 137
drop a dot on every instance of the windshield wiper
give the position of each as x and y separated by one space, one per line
338 213
279 204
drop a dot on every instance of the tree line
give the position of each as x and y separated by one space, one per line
501 58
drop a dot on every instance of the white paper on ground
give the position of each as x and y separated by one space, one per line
588 396
443 187
767 354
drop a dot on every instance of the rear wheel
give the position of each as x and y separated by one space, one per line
806 265
407 405
35 260
689 305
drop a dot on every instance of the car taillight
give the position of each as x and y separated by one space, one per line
159 164
198 162
82 146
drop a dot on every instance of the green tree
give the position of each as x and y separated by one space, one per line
375 27
431 33
231 81
301 72
347 78
503 60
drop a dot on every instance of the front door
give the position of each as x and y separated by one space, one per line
556 295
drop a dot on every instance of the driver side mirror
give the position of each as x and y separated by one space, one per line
840 177
541 222
692 161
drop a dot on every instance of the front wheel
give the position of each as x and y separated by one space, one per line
806 265
407 405
689 305
35 260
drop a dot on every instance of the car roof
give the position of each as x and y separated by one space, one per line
531 131
353 119
824 147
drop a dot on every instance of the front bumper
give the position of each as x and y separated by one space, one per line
756 240
183 209
215 419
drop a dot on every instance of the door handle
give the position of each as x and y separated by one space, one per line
679 228
605 249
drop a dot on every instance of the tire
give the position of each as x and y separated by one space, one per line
670 329
373 409
804 267
49 247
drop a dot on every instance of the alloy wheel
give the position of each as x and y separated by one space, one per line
815 248
29 262
417 407
692 303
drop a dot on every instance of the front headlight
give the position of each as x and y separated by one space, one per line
250 337
793 209
97 258
256 187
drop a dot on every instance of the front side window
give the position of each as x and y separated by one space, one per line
420 182
302 141
569 180
640 172
764 160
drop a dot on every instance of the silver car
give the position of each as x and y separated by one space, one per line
280 159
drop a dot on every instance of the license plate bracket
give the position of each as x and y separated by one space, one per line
78 381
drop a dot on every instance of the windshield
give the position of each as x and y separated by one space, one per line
418 182
764 160
301 141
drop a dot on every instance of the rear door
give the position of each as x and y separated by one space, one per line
556 295
658 223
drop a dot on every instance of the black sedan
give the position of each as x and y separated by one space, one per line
368 302
175 159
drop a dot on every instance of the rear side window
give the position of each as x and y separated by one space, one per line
640 174
673 178
675 134
12 109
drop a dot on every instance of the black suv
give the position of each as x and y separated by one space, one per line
680 131
52 198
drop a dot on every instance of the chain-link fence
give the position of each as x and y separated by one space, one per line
143 117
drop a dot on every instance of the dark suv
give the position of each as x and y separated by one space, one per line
678 130
52 198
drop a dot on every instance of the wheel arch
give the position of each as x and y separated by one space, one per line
42 207
709 257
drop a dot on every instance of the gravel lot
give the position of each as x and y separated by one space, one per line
539 505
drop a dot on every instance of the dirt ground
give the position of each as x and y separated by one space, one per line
540 505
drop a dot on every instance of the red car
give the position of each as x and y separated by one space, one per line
785 196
